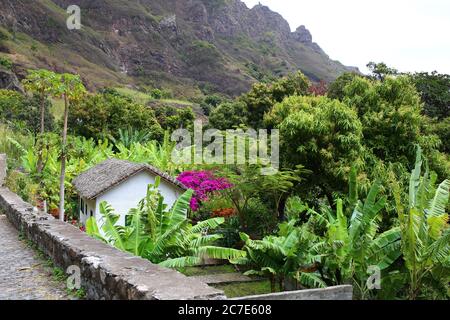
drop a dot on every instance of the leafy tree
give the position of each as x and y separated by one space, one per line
425 233
210 103
171 118
44 84
434 89
442 129
73 90
228 115
323 135
165 237
262 97
380 70
390 113
336 88
22 112
101 115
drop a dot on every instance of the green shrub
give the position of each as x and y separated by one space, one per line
102 115
5 62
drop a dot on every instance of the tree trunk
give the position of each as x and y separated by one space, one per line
272 283
41 136
63 161
282 207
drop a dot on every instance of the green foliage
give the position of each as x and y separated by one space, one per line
162 236
442 130
171 118
352 245
262 97
160 94
251 188
282 257
336 88
23 113
425 233
6 63
322 134
380 70
229 115
129 137
434 89
390 113
102 115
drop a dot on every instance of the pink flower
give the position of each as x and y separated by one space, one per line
204 183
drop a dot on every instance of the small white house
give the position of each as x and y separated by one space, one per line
122 184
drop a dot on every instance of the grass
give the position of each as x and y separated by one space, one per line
244 289
138 96
203 271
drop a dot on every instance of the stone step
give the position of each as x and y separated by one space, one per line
224 278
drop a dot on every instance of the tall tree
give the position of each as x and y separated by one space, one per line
44 84
73 90
434 89
262 97
381 70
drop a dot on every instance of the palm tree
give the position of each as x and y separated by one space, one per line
43 83
73 90
165 237
425 231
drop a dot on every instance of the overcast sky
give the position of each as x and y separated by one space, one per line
410 35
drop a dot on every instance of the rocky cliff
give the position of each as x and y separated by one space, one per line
187 45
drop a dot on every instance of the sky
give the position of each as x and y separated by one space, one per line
409 35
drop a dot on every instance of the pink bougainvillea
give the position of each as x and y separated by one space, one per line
204 183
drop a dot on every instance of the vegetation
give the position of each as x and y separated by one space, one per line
162 236
102 115
342 206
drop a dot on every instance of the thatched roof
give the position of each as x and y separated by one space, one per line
112 172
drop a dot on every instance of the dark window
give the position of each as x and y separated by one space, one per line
92 213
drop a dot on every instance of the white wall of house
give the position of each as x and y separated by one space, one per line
87 209
127 195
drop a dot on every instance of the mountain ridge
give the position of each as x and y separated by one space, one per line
189 46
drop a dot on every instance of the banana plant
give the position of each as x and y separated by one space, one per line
425 232
165 237
352 245
282 257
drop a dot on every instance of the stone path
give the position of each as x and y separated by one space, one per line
23 275
224 278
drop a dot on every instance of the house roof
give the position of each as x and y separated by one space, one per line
112 172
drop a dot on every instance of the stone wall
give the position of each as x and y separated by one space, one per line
332 293
2 169
106 273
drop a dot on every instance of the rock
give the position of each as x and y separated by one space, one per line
302 35
8 80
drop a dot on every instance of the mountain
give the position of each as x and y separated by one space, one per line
185 45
